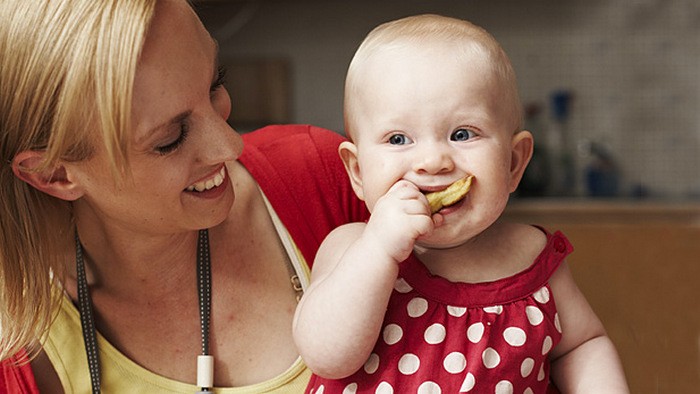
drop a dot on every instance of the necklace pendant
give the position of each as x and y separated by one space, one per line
205 372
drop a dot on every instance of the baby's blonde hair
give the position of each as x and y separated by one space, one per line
66 77
421 30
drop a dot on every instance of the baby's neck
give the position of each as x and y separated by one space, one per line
497 253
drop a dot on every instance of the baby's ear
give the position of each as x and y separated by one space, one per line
522 145
54 181
348 153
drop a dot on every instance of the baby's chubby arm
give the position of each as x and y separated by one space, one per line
585 361
338 319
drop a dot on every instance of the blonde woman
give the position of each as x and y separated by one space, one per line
143 248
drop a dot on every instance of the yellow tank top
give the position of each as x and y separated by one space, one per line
64 347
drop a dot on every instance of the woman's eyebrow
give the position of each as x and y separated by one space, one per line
177 119
180 117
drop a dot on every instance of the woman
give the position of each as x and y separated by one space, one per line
115 154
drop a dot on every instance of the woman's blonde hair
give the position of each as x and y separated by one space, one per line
422 30
66 76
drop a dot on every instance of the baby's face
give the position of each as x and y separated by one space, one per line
432 117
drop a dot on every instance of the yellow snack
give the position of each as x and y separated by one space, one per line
452 195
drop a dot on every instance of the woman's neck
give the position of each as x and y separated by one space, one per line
120 263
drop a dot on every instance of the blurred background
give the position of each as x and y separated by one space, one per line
611 86
611 90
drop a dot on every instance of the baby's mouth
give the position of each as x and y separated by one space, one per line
451 195
210 183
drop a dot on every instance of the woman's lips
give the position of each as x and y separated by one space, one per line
210 183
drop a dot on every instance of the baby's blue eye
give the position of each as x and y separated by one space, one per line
399 139
462 135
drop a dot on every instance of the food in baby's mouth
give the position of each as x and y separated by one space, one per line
450 196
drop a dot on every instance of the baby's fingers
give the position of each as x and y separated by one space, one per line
403 188
407 191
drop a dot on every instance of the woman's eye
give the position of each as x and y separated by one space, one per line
167 148
462 135
399 139
220 79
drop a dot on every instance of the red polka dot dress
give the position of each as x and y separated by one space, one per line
444 337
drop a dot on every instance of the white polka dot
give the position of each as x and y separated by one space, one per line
542 295
384 388
468 384
429 388
540 375
557 323
417 307
534 315
402 286
456 311
504 387
528 391
514 336
320 389
526 367
372 364
491 358
475 332
455 362
497 309
547 345
350 389
409 363
392 334
435 334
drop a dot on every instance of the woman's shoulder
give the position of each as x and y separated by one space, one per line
276 136
293 154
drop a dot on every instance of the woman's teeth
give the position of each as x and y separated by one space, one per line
209 183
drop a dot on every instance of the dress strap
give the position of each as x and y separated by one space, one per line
299 271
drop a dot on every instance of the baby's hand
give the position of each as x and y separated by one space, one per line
398 219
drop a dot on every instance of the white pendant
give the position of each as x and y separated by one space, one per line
205 371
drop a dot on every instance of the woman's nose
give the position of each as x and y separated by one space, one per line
433 159
220 141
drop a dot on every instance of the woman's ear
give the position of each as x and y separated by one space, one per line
348 153
52 181
522 145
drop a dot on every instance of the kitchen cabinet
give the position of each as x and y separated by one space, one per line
639 266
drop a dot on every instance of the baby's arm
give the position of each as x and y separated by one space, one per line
585 361
338 319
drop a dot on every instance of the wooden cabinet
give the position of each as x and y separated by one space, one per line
260 91
639 266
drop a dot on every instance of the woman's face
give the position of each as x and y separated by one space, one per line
180 141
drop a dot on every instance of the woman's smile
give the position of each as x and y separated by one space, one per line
209 183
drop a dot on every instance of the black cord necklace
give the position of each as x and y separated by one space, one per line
205 362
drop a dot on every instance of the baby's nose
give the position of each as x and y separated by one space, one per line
434 159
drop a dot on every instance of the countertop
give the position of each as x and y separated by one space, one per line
593 211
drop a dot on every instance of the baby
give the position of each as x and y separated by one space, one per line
457 300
